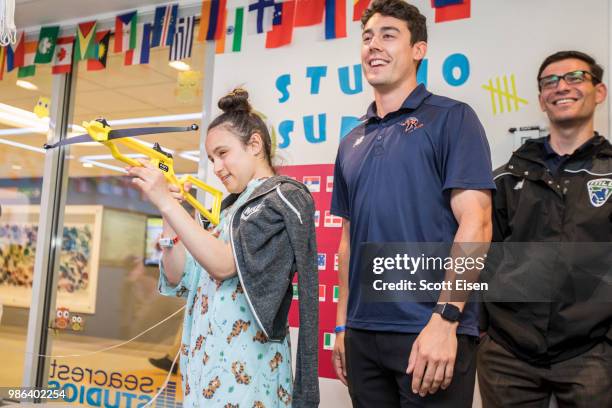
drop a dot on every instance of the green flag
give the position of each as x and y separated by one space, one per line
46 44
85 42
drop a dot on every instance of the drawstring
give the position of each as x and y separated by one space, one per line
8 30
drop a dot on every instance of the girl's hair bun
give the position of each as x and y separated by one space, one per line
235 101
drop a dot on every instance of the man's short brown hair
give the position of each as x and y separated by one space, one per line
417 23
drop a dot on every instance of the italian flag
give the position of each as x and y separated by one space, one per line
233 34
336 293
328 341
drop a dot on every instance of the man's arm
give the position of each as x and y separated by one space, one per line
433 354
344 254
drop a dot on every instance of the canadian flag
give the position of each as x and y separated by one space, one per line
62 58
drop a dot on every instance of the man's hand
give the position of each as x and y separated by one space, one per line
432 359
338 358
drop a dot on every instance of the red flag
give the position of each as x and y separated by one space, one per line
453 12
282 34
359 6
308 12
221 17
221 28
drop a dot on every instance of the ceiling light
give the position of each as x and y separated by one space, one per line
16 167
23 146
88 165
16 117
193 155
94 160
157 119
179 65
26 85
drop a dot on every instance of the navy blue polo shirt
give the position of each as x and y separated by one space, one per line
393 178
554 161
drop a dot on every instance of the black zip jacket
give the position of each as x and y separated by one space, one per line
533 205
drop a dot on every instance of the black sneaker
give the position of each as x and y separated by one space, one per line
164 363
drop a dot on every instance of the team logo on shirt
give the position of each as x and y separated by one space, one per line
411 124
599 191
358 141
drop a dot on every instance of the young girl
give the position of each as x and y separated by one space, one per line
237 276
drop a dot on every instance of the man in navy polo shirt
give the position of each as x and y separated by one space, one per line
417 169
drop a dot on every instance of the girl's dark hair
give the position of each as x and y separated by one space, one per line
240 118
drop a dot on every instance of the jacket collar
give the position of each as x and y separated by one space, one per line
537 150
274 181
266 186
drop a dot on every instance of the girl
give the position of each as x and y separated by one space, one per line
237 276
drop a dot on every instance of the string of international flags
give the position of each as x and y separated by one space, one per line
224 26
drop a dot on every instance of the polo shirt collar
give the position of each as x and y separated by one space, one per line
413 101
549 152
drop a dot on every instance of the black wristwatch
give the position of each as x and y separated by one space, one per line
448 311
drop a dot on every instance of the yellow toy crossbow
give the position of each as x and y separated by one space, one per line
99 131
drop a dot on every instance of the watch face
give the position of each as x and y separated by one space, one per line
451 312
166 242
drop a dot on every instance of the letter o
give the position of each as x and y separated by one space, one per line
460 62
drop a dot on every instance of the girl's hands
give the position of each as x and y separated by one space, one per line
152 183
176 192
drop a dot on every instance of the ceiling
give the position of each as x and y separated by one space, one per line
118 92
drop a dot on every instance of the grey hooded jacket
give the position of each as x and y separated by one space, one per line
272 237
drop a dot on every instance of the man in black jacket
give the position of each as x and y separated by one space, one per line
549 330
